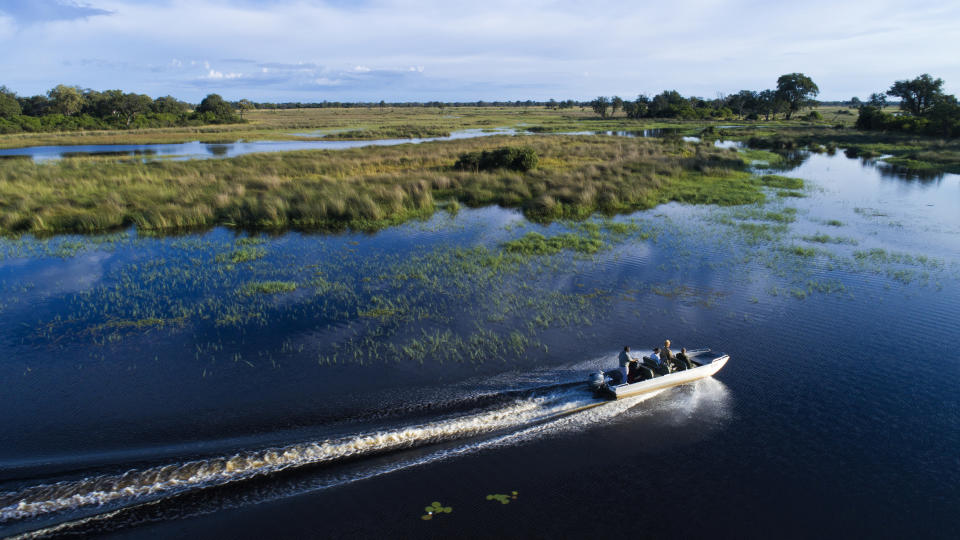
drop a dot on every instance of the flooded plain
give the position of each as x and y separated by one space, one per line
304 384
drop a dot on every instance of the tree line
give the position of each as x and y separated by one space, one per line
924 109
66 108
794 92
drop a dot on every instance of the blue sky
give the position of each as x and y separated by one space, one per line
396 50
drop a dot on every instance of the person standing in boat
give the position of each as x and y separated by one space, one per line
625 360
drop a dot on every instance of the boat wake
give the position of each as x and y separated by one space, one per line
52 507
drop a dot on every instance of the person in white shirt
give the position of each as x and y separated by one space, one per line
625 360
655 363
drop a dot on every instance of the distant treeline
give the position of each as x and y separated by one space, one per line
794 92
924 109
68 108
552 104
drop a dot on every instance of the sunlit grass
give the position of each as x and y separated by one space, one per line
365 188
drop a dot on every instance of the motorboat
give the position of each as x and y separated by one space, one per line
705 364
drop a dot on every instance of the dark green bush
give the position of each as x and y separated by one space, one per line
508 157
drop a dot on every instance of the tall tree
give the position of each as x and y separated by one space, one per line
131 105
743 102
796 90
615 104
169 104
944 116
67 100
768 104
600 106
919 95
245 105
215 104
9 106
878 100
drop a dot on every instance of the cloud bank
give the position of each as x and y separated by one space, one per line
396 50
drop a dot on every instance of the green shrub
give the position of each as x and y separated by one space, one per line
507 157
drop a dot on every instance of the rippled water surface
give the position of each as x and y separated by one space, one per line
224 384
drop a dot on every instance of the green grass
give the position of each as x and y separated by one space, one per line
760 158
536 244
821 238
391 132
268 287
801 251
244 254
364 188
781 182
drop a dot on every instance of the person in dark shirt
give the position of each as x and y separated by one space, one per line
682 360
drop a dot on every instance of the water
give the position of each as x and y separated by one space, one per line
201 150
146 395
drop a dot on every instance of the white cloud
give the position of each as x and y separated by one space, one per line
214 74
492 50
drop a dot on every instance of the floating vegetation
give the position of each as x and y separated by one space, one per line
760 159
503 498
834 223
781 182
534 243
801 251
435 508
268 287
882 256
244 254
821 238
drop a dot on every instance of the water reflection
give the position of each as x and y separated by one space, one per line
888 171
200 150
219 150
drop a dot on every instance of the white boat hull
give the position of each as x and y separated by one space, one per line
708 369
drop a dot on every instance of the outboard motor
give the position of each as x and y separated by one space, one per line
598 381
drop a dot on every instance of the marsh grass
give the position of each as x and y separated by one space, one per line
821 238
244 254
268 287
534 243
367 188
781 182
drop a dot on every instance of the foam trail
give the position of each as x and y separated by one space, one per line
575 415
140 485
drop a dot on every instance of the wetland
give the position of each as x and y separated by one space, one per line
264 344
